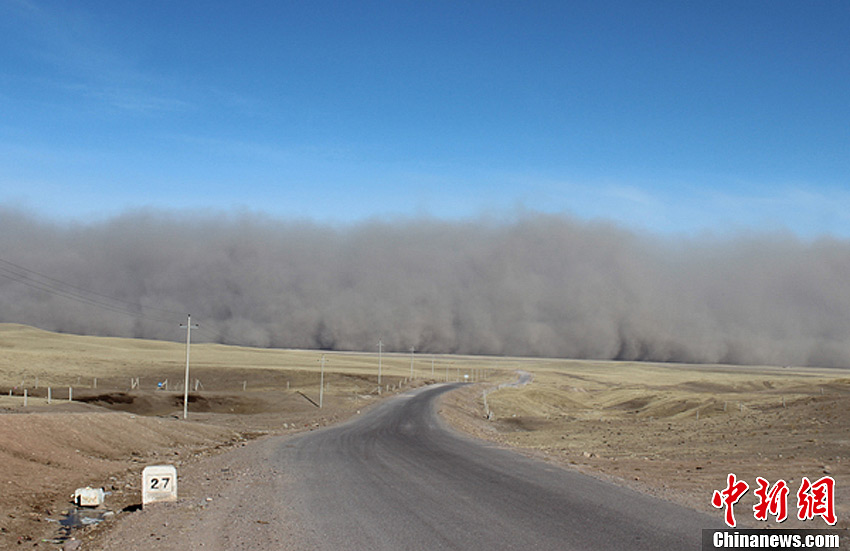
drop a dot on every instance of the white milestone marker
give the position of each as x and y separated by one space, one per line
159 483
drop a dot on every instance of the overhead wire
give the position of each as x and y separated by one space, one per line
42 282
50 285
56 287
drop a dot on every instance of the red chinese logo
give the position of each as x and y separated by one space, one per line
813 499
729 497
817 499
774 502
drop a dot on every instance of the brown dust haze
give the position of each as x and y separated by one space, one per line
527 285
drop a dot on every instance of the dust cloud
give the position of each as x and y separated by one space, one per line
528 285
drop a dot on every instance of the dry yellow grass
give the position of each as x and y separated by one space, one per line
60 360
674 430
596 389
678 430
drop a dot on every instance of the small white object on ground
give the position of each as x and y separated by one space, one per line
88 497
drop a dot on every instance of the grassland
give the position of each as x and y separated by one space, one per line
677 430
113 427
35 359
673 430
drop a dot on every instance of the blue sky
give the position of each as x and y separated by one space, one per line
672 117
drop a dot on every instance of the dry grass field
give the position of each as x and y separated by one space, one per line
111 430
245 388
672 430
678 430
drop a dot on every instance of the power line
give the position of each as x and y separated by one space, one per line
53 286
63 289
56 284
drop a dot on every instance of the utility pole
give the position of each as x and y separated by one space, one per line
380 360
188 327
322 383
412 350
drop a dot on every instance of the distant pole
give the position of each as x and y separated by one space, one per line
322 382
432 365
412 350
380 359
188 327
